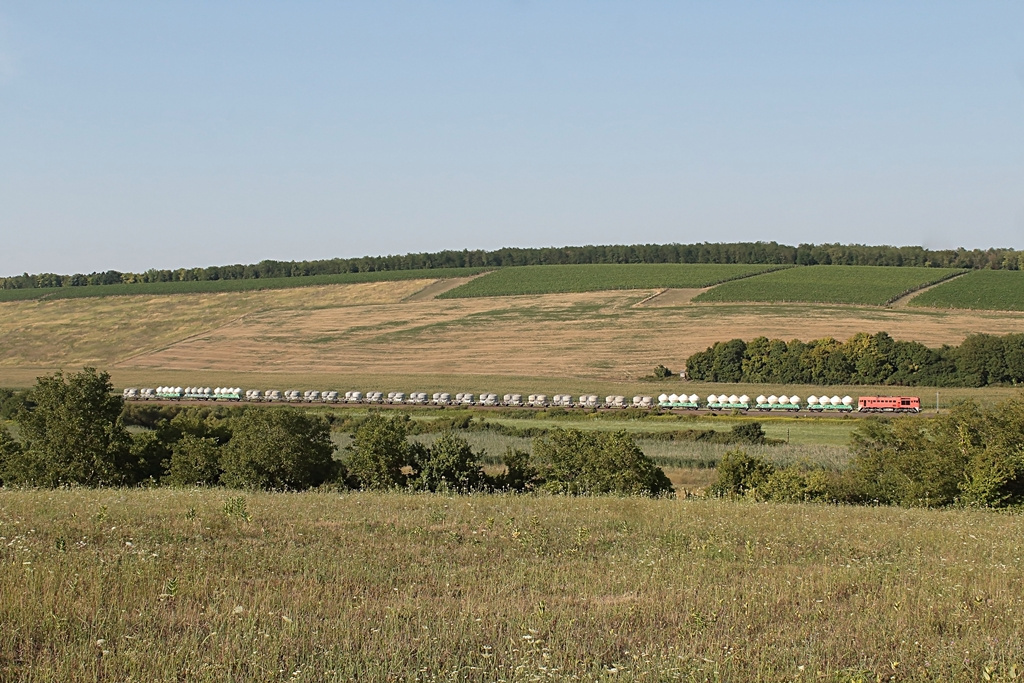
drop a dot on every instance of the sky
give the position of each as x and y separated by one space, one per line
138 135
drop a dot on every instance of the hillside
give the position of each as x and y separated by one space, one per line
331 334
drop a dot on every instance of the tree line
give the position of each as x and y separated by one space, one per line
738 252
968 456
980 360
73 432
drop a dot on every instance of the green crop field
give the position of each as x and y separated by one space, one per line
871 285
211 286
601 277
218 585
992 290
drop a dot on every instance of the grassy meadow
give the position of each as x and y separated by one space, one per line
213 585
870 285
215 286
601 277
994 290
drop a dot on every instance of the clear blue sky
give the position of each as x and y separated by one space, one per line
162 134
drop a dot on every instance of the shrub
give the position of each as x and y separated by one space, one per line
739 473
195 461
966 455
73 435
380 452
574 462
11 402
449 464
519 474
280 448
748 432
793 485
10 451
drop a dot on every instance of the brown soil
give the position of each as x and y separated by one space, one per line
671 297
434 289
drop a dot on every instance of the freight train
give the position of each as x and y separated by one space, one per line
713 402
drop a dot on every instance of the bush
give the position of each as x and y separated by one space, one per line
967 455
792 485
380 453
749 432
519 474
195 461
10 452
662 372
73 435
739 473
11 402
574 462
449 464
280 449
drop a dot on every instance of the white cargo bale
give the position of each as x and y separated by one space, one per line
847 400
812 400
694 398
734 399
835 400
712 398
773 399
744 399
795 400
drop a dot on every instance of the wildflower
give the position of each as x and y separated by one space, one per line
238 609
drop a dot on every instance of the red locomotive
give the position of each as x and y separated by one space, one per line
889 404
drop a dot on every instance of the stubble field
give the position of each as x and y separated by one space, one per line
344 335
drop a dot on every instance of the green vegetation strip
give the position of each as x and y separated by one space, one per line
600 277
871 285
992 290
212 286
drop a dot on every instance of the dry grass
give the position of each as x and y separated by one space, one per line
597 335
167 585
102 331
363 336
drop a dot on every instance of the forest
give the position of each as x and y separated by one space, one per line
980 360
768 253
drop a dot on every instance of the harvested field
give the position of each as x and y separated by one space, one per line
364 335
102 331
598 335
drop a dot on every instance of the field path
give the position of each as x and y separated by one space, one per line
668 298
904 301
438 287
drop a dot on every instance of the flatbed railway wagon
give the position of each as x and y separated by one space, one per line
889 404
